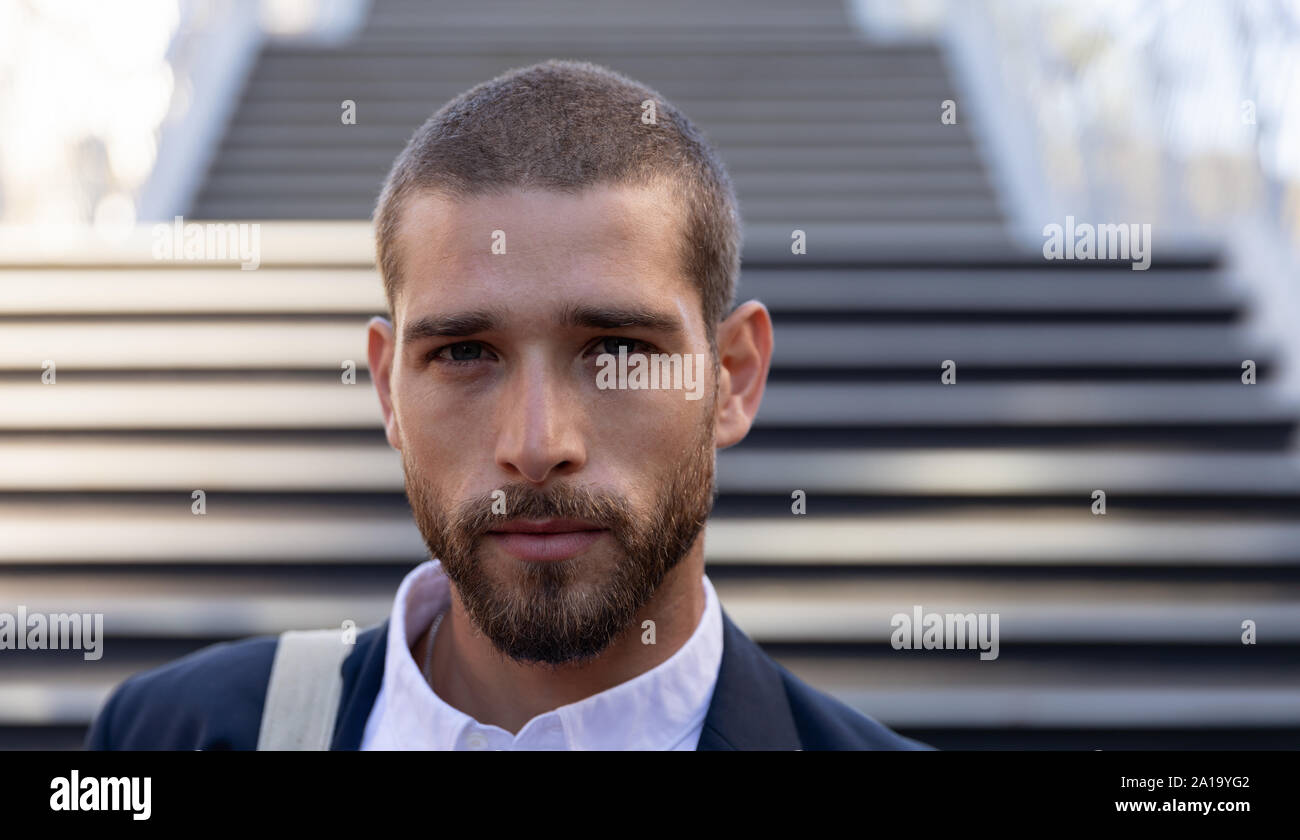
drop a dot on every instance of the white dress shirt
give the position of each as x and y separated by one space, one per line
661 709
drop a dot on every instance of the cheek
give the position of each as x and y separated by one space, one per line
443 433
644 436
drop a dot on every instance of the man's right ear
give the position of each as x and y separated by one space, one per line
380 350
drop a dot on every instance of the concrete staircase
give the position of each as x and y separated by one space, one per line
1117 631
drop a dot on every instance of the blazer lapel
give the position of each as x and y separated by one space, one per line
749 710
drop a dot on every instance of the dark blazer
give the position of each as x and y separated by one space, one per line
212 700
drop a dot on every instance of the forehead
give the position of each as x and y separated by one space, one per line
602 243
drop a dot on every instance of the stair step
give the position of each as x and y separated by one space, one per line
140 463
1032 290
827 610
233 531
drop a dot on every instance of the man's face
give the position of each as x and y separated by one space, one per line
501 424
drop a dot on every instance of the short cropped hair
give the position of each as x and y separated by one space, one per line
565 126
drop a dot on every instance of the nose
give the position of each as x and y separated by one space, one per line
539 434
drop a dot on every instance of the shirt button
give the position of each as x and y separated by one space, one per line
476 741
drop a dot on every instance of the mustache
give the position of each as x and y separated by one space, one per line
480 514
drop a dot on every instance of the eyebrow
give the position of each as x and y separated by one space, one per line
471 322
614 318
454 324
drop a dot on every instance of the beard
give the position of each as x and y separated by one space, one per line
569 610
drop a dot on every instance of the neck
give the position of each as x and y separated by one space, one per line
469 673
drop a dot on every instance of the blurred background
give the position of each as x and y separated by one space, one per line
922 147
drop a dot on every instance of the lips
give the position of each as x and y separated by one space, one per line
546 540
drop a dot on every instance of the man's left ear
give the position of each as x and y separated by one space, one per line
744 356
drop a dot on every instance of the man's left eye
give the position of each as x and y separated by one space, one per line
611 344
458 353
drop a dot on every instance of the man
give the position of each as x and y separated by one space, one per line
536 230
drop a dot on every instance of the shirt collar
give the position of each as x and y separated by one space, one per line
656 710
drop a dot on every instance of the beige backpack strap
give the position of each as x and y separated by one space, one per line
302 697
